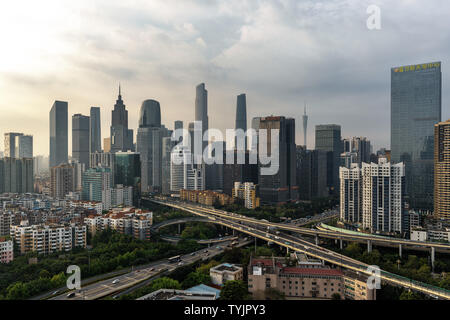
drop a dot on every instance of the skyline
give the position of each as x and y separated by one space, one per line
304 55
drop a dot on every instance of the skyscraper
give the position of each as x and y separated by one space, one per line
149 145
63 180
16 175
201 110
442 170
80 138
305 126
415 109
241 116
360 146
95 131
10 144
121 136
58 133
282 186
328 138
24 146
127 172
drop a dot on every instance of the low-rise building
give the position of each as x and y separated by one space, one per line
225 272
300 282
206 197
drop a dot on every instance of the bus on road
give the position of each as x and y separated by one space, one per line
175 259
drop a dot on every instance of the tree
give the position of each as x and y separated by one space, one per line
165 283
335 296
234 290
205 267
195 278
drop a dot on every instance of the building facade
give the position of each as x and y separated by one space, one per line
80 138
58 133
416 105
442 170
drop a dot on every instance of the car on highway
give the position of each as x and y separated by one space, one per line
55 292
71 295
116 281
205 251
152 269
193 254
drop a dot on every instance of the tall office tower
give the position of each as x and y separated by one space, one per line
121 136
24 146
359 146
95 182
127 172
95 131
241 117
58 133
80 138
79 169
178 124
415 109
183 173
442 170
383 188
282 186
17 175
328 138
236 172
351 194
305 126
62 180
311 173
149 145
167 146
201 110
191 136
10 144
214 171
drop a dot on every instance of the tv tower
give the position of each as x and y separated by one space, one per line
305 125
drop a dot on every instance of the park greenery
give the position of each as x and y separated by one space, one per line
278 213
111 251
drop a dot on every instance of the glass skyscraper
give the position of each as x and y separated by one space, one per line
58 133
415 109
127 172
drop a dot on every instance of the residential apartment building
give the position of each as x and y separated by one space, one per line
6 251
247 192
48 238
205 197
373 196
130 221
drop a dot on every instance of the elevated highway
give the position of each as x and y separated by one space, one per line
258 229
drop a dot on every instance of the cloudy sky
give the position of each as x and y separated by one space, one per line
281 53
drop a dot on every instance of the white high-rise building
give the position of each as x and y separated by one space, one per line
373 195
183 174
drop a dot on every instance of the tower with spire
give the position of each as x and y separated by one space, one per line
121 136
305 125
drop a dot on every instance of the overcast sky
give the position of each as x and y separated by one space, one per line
281 53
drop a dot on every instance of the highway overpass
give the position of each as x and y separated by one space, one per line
251 227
